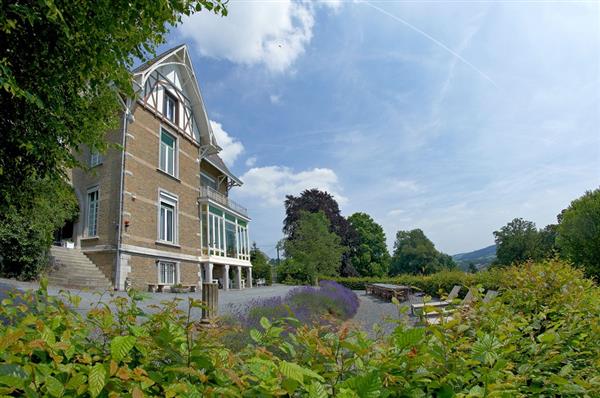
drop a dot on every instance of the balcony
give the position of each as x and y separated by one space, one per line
218 197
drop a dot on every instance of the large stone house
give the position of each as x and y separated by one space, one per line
158 211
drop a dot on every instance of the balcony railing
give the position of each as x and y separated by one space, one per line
216 196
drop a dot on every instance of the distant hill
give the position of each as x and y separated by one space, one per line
481 258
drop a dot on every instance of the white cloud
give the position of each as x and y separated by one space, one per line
396 212
273 33
275 99
272 183
251 161
405 185
231 148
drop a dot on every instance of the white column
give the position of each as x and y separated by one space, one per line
249 279
224 236
238 277
199 277
226 277
208 268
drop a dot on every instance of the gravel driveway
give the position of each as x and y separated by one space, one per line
370 312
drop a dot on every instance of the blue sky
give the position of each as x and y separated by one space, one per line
453 117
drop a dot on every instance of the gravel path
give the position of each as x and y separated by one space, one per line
372 311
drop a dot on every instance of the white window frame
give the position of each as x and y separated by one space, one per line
173 201
167 95
95 158
176 276
175 153
96 190
211 179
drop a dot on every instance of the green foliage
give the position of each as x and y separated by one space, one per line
432 284
370 255
519 241
414 253
260 265
26 229
540 337
579 232
313 201
62 67
316 250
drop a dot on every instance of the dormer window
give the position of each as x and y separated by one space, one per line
170 107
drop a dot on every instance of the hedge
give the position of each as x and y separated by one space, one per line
540 337
433 285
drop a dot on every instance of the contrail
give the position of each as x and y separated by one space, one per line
433 39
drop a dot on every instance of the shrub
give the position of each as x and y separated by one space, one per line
430 284
540 337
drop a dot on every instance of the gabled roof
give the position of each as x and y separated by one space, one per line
216 161
180 56
154 60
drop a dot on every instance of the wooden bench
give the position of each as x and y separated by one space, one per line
160 287
386 291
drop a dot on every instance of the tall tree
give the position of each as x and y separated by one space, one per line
261 267
370 256
518 241
312 201
61 66
579 232
414 253
314 249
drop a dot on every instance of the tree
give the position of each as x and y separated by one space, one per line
518 241
26 232
260 264
312 201
370 256
64 68
314 249
414 253
578 232
61 67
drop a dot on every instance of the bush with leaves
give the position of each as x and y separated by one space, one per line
540 337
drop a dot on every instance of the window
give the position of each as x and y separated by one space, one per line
167 153
230 236
170 107
167 225
92 212
208 181
95 159
167 273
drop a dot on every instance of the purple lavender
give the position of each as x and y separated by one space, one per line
307 304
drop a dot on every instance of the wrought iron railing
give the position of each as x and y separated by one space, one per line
216 196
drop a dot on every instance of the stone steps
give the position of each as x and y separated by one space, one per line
73 269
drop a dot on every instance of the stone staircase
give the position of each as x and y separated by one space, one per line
73 269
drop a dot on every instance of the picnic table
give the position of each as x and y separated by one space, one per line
387 291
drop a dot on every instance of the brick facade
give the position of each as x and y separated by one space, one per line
136 255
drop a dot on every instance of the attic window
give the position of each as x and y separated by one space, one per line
170 107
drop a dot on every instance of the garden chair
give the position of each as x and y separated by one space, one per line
434 317
490 295
453 294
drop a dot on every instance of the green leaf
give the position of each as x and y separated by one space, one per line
75 381
256 335
120 347
96 379
365 386
264 322
316 390
54 387
292 371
